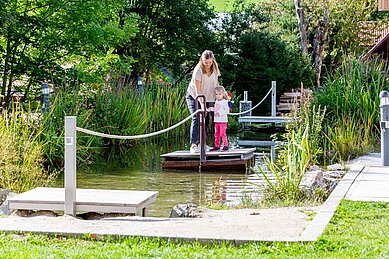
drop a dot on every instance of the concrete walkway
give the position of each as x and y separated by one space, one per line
365 181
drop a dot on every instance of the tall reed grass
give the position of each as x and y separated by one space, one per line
126 112
301 150
351 97
21 152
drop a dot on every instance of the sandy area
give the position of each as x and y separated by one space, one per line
240 225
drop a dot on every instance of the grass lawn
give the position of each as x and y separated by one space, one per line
225 5
358 230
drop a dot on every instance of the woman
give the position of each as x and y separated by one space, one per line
204 80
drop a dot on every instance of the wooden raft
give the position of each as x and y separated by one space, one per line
233 160
87 200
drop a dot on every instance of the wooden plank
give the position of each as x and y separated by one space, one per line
229 153
260 143
264 119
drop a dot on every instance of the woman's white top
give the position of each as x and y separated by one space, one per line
208 84
221 107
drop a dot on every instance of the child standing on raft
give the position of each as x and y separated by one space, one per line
220 120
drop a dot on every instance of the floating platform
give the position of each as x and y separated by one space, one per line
234 160
264 119
87 200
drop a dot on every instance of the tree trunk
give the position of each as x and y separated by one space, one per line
303 27
6 67
319 43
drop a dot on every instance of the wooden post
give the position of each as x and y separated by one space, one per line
273 98
70 165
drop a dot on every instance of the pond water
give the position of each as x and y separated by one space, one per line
139 168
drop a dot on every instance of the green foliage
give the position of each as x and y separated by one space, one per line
357 230
351 97
251 54
226 5
21 152
37 37
301 150
171 32
127 113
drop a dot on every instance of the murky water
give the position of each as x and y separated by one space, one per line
140 169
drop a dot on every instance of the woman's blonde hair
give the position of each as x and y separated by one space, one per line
207 54
220 89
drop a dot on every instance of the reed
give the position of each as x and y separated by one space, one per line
21 153
302 149
351 97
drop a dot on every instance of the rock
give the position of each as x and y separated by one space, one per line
335 167
312 179
4 195
184 211
33 213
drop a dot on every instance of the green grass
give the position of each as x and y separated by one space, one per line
226 5
357 230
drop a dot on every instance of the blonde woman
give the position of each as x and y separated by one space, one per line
204 80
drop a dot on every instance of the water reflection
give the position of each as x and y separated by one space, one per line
139 168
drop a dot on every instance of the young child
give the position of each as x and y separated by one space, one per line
220 120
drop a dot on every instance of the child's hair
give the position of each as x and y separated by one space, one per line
220 89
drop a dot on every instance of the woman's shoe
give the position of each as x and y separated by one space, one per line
194 149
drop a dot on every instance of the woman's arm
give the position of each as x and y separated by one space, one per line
198 90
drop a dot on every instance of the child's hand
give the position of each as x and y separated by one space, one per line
217 114
210 109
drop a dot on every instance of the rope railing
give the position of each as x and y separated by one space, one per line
98 134
239 113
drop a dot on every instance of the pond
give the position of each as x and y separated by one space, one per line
139 168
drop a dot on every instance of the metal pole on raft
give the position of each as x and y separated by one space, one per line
273 98
201 117
70 165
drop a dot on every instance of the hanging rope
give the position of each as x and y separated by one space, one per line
239 113
98 134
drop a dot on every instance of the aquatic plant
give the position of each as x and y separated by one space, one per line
351 97
21 152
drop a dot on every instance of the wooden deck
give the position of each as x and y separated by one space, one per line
264 119
234 160
87 200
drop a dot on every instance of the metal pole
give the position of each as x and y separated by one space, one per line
384 105
203 137
70 165
273 98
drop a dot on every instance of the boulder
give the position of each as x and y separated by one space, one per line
312 179
184 211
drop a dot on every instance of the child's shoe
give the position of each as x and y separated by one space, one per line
215 148
225 148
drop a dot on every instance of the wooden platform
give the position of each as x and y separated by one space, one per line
87 200
264 119
234 160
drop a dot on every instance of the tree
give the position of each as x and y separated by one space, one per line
171 32
38 36
334 29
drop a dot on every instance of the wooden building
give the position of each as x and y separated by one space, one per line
383 5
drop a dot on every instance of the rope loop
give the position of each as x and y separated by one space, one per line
98 134
239 113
